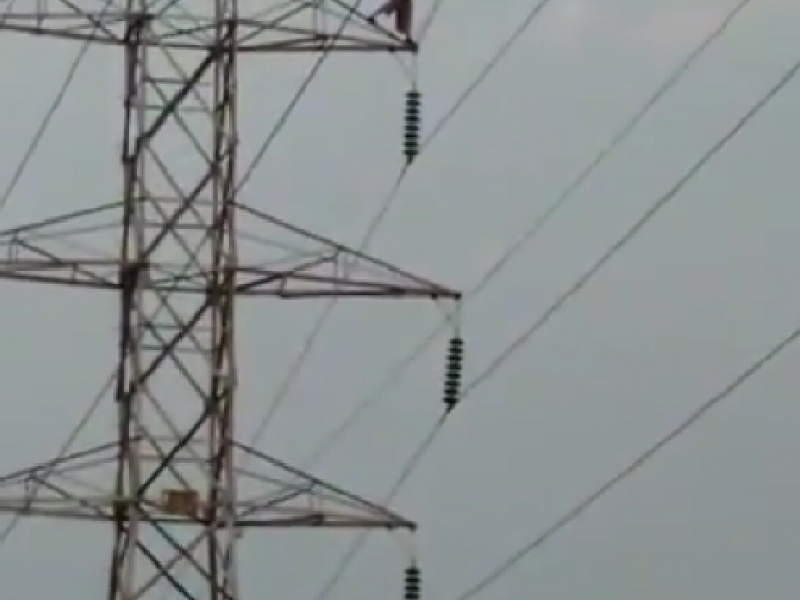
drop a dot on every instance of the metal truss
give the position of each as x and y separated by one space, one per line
172 483
273 493
282 27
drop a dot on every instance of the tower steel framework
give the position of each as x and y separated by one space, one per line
173 484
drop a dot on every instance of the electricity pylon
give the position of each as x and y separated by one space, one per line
172 483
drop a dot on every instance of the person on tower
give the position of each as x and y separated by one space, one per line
403 13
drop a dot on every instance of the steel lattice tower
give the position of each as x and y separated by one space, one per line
171 483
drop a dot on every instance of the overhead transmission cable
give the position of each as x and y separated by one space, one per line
294 102
575 289
278 127
427 22
494 61
44 123
542 220
631 233
638 463
360 539
15 520
20 170
283 388
388 201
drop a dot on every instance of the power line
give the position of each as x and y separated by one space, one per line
634 466
631 233
278 128
19 172
428 21
616 141
44 124
501 53
576 288
294 102
388 201
36 485
286 384
494 61
361 538
569 192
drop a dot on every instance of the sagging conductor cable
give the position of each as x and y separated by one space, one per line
15 520
294 370
386 205
358 542
494 61
526 336
294 102
44 124
427 23
641 461
494 366
538 225
19 172
637 227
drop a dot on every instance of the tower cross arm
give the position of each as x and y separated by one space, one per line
76 486
276 258
287 27
310 279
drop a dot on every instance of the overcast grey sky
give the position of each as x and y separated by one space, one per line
701 293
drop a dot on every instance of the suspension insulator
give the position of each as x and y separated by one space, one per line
453 372
413 123
413 582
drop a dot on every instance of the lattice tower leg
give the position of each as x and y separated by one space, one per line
177 375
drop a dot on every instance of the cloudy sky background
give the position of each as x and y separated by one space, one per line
700 294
